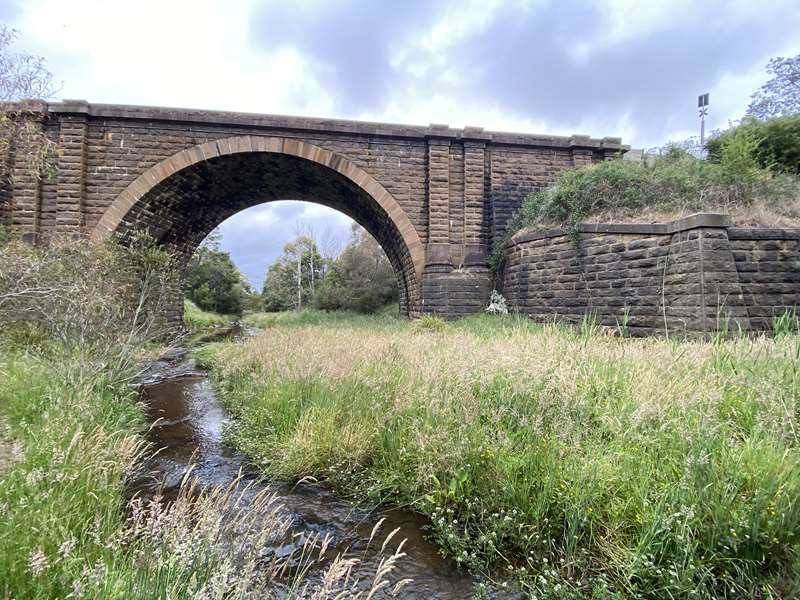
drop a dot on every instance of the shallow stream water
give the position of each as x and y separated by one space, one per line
187 428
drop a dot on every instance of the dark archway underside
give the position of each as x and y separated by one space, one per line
184 208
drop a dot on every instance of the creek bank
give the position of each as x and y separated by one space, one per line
187 428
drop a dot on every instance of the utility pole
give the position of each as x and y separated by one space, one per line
702 108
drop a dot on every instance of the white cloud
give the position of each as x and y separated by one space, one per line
175 53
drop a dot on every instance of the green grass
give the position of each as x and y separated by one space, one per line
69 449
206 326
198 320
69 446
585 465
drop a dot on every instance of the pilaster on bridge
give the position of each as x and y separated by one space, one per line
434 197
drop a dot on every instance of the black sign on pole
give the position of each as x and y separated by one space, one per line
702 108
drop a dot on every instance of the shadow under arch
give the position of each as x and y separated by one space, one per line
183 197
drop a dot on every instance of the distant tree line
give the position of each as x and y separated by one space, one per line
359 278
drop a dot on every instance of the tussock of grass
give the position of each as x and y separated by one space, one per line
581 464
72 447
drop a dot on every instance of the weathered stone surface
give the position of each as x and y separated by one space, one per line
690 277
433 197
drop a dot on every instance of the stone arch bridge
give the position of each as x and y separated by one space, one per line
435 198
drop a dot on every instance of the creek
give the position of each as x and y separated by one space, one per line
187 429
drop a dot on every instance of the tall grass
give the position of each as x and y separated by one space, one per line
584 465
387 317
70 530
71 441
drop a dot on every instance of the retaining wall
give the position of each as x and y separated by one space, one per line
696 275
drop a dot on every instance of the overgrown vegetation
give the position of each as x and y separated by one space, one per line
77 322
773 144
750 175
360 279
586 466
213 283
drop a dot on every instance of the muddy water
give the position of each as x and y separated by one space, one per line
188 422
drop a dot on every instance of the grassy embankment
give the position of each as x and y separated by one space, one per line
72 437
203 325
664 187
585 465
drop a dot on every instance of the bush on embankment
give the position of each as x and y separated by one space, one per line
665 187
587 466
774 144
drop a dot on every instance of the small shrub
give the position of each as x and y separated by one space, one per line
738 156
101 300
430 323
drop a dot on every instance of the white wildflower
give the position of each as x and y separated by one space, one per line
497 304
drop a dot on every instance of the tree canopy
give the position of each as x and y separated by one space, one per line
293 278
360 279
213 282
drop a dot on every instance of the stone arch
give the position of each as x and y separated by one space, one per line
167 198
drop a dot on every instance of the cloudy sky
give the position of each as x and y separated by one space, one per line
629 68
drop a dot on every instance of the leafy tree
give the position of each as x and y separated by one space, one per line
772 144
781 94
360 279
213 282
294 277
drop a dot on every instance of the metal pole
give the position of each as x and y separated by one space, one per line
702 131
702 107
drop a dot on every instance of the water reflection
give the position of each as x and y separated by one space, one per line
187 428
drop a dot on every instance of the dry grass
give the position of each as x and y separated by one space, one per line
639 465
774 213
